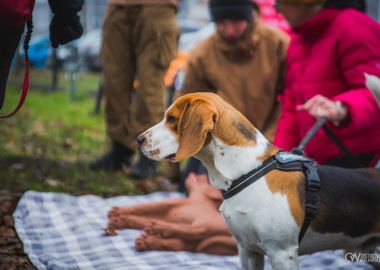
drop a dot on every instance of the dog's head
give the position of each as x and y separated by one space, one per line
184 130
188 125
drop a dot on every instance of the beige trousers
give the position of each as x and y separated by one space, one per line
139 42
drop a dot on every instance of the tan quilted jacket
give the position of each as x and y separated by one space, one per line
249 76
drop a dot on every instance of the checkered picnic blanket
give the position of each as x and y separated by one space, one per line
60 231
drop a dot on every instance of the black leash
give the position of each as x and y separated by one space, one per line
354 161
321 123
310 134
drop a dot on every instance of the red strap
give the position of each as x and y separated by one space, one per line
374 161
24 89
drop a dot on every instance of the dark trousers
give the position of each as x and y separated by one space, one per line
138 41
10 38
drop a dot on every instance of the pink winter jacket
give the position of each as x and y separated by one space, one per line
329 55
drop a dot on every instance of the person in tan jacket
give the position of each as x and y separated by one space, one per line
244 62
140 39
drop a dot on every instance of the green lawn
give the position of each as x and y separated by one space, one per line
47 145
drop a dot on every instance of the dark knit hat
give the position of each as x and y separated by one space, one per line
231 9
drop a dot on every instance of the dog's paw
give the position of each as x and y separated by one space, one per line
146 242
158 230
124 222
119 211
151 242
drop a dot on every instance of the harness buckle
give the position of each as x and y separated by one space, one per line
313 185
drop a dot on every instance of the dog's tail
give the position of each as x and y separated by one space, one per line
373 84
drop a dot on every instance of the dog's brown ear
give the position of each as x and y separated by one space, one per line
195 123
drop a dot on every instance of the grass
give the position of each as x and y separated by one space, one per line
47 145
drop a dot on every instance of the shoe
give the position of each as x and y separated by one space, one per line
112 160
143 168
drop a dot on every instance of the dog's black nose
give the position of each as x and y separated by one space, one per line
140 139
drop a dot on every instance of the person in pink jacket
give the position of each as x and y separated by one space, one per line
333 44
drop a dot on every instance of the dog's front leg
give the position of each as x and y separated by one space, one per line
284 259
250 260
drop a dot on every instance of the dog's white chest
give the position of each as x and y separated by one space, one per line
255 216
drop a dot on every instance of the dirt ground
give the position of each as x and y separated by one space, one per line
12 256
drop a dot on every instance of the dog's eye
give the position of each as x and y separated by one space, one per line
170 119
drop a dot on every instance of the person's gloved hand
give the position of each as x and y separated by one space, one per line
64 28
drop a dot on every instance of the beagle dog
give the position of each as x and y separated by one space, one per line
266 217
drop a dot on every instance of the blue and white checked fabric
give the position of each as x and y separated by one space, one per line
60 231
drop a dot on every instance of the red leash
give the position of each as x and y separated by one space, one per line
24 89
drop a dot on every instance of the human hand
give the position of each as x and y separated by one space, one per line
64 28
320 106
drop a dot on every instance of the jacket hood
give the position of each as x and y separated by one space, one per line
317 24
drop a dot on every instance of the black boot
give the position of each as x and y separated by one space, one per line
112 160
143 168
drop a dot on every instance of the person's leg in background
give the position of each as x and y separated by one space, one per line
10 38
118 75
155 43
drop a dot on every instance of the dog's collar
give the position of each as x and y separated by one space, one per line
284 161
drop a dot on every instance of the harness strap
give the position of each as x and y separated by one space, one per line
313 185
285 162
249 178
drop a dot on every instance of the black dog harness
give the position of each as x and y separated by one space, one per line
284 161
